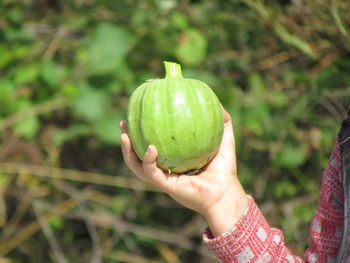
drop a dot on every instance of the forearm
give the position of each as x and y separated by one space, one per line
223 215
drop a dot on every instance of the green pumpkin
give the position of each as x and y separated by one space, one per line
181 117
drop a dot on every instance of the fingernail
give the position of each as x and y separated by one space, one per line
120 124
148 148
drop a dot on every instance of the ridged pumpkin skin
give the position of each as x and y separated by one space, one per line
181 117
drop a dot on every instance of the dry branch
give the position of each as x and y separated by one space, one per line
105 219
30 229
34 110
56 249
75 175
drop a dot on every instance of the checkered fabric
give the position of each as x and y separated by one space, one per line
251 239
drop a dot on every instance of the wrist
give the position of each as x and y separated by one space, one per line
226 213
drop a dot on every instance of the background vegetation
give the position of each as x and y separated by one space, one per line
67 69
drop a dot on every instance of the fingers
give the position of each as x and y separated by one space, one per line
150 155
227 117
123 127
146 170
129 155
225 159
151 172
228 129
228 136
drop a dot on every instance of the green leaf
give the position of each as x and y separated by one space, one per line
60 136
291 156
26 74
3 180
205 76
6 90
5 55
91 104
179 20
69 90
284 189
52 73
299 107
109 44
256 108
139 18
120 204
279 99
256 84
27 128
57 222
192 48
125 77
305 211
294 40
107 129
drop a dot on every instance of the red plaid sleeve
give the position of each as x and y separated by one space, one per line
326 229
251 239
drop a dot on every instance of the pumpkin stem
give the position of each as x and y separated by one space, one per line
172 70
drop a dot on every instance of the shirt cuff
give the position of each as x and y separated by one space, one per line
244 240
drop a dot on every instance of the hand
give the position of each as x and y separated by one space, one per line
216 192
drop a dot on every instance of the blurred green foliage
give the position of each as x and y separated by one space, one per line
281 68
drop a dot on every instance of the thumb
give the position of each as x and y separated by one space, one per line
151 172
225 159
